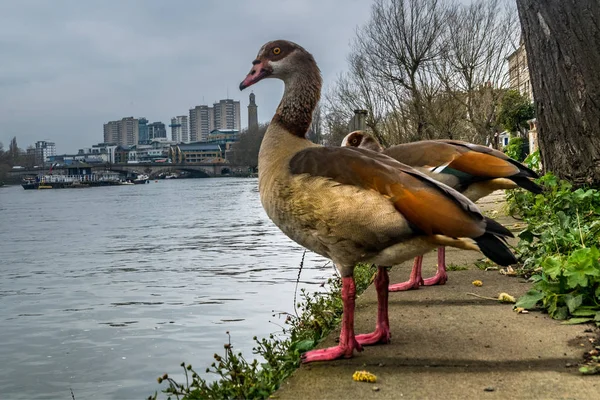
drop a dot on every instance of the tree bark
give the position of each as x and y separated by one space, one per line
562 40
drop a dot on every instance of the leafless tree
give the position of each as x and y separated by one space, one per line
400 42
473 64
426 69
358 90
315 131
335 124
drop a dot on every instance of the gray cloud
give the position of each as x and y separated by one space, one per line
68 66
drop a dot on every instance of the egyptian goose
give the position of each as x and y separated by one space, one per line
472 169
352 205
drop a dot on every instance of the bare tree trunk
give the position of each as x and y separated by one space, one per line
562 39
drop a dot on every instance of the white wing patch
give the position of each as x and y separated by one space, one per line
440 169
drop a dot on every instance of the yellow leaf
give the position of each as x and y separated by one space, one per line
364 376
477 283
506 298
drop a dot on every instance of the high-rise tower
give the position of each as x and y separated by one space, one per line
227 114
179 129
252 113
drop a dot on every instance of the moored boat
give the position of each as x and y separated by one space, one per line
141 179
29 183
107 178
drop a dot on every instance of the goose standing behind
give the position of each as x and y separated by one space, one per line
349 204
474 170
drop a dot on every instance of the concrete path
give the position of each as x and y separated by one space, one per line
447 344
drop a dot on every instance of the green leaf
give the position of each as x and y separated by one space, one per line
597 317
552 266
551 304
578 269
589 370
586 259
575 321
575 280
305 345
563 219
585 311
530 299
536 278
547 287
573 302
526 235
561 313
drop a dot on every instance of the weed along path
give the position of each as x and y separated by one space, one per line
448 344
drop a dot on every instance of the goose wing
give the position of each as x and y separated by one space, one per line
431 207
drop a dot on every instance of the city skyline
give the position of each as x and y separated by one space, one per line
223 115
68 70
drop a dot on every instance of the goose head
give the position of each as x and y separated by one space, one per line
280 59
362 140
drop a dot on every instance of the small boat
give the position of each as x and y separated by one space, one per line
141 179
60 181
127 183
29 183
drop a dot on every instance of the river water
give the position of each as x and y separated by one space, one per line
104 289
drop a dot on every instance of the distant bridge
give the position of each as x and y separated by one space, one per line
150 169
154 169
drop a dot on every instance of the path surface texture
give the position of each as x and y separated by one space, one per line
447 344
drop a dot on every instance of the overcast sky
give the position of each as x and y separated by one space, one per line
69 66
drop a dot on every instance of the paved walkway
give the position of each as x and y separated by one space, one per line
447 344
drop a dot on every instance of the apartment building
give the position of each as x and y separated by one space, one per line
124 132
179 129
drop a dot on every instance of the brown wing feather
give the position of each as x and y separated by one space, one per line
476 160
523 170
430 206
427 153
475 147
483 165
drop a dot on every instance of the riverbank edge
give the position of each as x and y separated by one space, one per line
320 314
457 341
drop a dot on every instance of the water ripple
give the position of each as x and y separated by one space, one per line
97 283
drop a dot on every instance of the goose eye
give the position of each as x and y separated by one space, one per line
276 50
354 141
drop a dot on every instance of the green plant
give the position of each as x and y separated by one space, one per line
238 378
514 111
559 248
515 148
455 267
568 286
534 161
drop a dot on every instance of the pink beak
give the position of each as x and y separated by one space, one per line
258 72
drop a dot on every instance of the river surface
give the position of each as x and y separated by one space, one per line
104 289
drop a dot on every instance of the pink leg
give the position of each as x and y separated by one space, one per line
348 342
382 330
441 276
415 280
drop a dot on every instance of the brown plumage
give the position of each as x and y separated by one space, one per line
472 169
348 204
